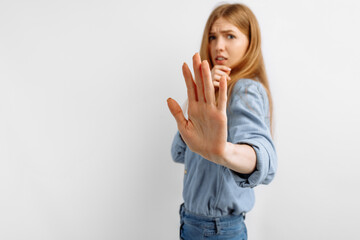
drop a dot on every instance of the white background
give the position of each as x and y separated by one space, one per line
85 132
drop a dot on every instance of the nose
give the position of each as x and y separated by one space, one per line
220 44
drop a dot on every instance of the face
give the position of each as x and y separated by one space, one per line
227 44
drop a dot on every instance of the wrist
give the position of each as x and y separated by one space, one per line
238 157
221 155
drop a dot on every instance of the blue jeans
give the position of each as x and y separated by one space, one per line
195 227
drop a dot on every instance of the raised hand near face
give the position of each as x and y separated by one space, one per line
217 72
205 130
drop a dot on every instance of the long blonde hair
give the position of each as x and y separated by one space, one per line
252 64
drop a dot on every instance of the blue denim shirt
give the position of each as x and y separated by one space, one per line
214 190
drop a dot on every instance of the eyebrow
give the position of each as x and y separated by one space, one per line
224 31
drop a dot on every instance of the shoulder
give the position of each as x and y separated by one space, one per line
246 84
249 95
248 88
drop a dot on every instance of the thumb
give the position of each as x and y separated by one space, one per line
177 112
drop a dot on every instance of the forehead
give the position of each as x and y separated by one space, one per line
221 24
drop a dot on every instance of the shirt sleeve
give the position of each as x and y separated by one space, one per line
248 120
178 148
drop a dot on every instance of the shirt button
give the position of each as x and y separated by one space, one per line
185 171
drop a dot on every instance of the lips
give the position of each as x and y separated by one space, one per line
220 60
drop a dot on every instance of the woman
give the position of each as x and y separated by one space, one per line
225 144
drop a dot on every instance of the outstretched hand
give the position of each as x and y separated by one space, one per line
205 130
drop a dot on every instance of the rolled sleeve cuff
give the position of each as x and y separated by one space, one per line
259 175
178 148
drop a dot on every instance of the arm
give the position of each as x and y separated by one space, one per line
240 158
249 124
178 148
206 133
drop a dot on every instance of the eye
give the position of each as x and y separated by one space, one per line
212 38
230 36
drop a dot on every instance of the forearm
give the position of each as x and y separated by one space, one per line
178 148
238 157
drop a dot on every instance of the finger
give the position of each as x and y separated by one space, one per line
177 112
220 73
190 85
198 78
223 68
217 77
216 80
208 85
222 94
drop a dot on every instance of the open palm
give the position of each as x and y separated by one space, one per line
205 130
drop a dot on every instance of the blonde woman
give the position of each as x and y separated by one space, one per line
225 142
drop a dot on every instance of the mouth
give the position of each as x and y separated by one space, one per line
220 60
